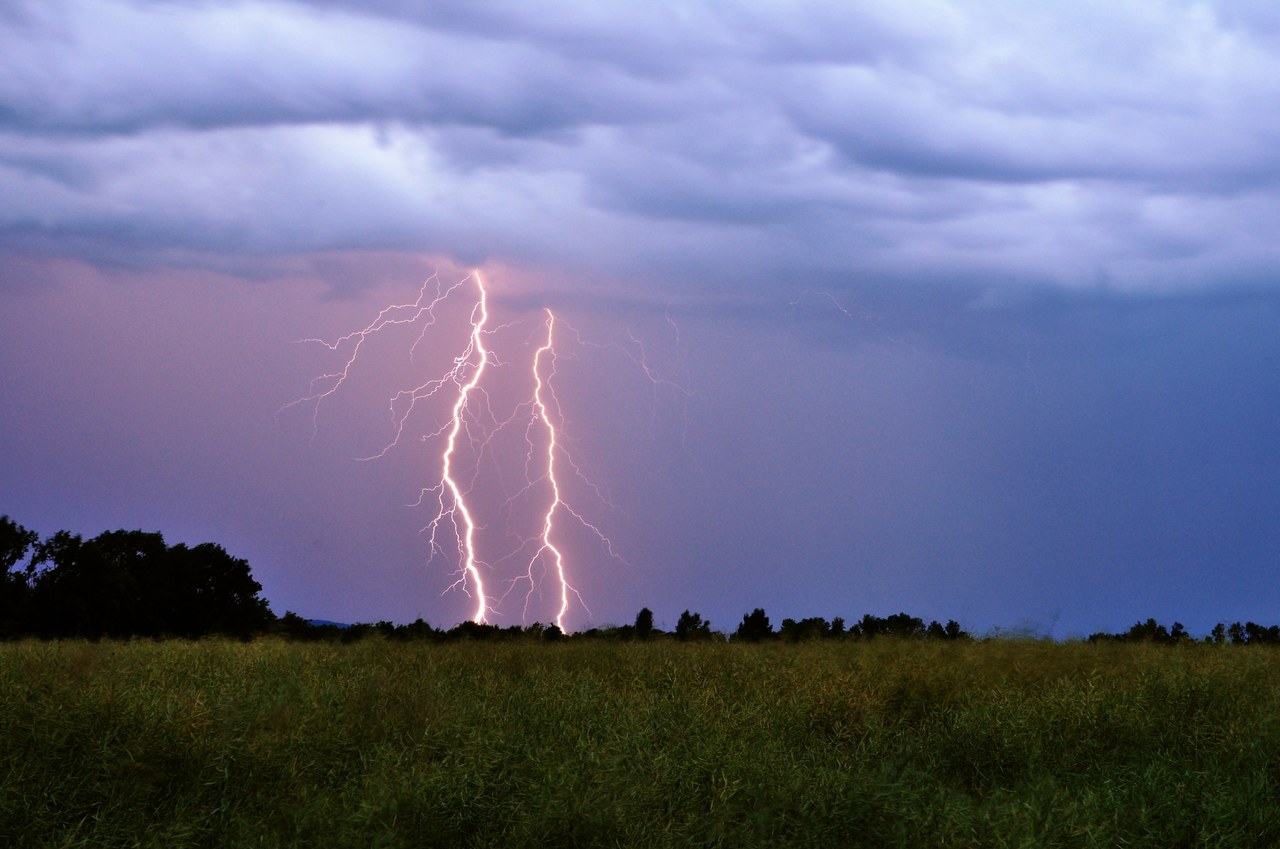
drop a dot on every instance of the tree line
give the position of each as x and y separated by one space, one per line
755 627
1236 634
132 584
690 627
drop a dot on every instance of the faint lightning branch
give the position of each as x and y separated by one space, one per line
859 316
830 297
675 328
837 304
326 385
637 354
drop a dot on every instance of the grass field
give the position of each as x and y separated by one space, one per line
877 744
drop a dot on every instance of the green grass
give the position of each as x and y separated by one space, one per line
876 744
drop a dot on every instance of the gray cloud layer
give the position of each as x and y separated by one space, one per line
1131 146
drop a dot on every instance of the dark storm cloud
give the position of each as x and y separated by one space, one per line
112 68
701 144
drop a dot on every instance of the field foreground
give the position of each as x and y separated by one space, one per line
876 744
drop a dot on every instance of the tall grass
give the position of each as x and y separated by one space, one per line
379 744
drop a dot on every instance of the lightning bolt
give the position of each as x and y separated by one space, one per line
540 405
544 413
455 505
470 430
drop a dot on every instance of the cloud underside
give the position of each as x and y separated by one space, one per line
1132 147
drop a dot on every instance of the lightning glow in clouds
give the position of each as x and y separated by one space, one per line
470 433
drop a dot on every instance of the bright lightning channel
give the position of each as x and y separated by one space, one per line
457 506
471 421
540 405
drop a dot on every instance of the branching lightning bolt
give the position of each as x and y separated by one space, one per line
540 405
471 426
544 412
455 504
326 385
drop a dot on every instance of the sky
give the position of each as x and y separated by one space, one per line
969 310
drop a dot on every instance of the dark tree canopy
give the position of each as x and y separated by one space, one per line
811 628
644 624
16 542
1237 634
691 626
123 584
897 625
754 627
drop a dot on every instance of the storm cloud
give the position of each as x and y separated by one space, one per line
1128 147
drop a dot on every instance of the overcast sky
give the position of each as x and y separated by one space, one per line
965 309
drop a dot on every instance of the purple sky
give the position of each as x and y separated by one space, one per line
973 308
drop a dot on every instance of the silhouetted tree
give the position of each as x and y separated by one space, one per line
897 625
95 588
950 631
813 628
902 625
211 592
1262 635
754 627
418 629
1151 631
867 627
1148 631
295 627
473 631
644 624
16 542
129 583
692 627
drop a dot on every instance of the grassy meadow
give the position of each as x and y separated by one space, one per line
881 743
